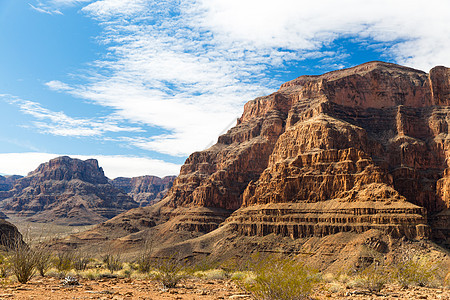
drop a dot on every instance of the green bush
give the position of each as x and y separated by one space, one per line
170 271
281 279
414 271
373 278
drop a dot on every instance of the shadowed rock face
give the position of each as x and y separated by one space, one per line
9 235
351 150
67 191
145 190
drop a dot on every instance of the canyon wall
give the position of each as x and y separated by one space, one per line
351 150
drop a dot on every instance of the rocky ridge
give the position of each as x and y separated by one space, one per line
67 191
351 154
145 190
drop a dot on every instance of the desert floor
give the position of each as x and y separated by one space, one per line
115 288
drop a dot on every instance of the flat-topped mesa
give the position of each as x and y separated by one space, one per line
377 85
67 191
375 134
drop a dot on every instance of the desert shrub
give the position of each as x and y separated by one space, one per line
63 261
281 279
81 261
23 260
112 262
211 274
144 260
43 259
170 271
3 266
414 271
373 278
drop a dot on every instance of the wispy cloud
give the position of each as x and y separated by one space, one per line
58 123
188 66
46 10
54 7
113 165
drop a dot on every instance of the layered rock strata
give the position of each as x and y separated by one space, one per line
145 190
67 191
351 150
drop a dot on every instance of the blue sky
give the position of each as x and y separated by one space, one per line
141 84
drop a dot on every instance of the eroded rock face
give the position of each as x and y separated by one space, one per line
67 191
351 150
145 190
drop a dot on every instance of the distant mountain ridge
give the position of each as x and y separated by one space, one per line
67 191
145 190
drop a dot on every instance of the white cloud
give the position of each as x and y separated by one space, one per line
421 33
106 9
58 123
188 66
113 166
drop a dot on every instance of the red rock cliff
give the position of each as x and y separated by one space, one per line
350 150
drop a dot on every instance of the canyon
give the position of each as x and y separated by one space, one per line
349 158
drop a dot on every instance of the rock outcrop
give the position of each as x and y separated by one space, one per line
351 150
67 191
324 161
145 190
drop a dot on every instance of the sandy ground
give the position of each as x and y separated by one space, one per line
52 288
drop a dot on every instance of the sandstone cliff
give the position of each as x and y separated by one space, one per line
350 150
145 190
67 191
347 157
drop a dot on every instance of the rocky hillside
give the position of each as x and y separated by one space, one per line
145 190
67 191
358 156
